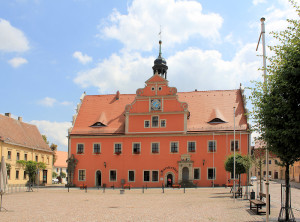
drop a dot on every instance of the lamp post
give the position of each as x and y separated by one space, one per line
234 153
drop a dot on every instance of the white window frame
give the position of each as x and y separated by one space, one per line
115 148
26 156
149 175
208 146
140 148
133 175
236 149
148 124
18 152
84 174
187 144
77 148
157 176
177 146
116 175
199 173
158 122
215 173
158 147
94 148
165 123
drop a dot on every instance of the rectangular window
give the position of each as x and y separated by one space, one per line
163 123
25 156
56 169
264 161
8 174
80 148
155 147
136 148
130 176
270 161
264 173
155 176
191 146
146 123
24 175
113 175
97 148
17 174
154 121
146 176
196 174
18 156
9 155
118 148
231 176
237 148
174 147
270 173
36 159
258 173
47 160
211 173
81 175
212 146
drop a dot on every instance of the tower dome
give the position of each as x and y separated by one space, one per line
160 64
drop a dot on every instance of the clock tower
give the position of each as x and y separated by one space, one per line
160 64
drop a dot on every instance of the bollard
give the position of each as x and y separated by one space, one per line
146 186
86 188
143 188
163 188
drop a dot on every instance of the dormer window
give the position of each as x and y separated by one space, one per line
217 120
98 124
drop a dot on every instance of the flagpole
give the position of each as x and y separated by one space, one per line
234 153
262 36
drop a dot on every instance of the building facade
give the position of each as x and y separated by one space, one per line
23 141
156 136
60 165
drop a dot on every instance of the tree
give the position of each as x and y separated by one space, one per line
54 174
53 147
276 102
242 165
62 175
258 160
45 139
31 168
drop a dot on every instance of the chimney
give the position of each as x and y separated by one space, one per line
20 118
8 114
118 95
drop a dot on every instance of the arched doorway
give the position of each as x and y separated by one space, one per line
98 178
185 174
169 180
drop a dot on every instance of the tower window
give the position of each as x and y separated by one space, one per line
159 88
146 123
152 88
154 121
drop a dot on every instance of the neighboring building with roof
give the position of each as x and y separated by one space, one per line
60 165
156 135
275 170
23 141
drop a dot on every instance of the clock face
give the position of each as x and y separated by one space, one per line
155 104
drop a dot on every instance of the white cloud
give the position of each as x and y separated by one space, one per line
188 70
17 61
66 103
47 101
11 38
84 59
256 2
179 19
56 132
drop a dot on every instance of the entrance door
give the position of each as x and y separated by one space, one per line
275 175
169 180
45 176
98 178
185 174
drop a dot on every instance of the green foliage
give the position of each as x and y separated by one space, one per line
31 168
54 174
8 166
53 147
242 163
45 139
62 175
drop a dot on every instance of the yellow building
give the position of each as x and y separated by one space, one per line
23 141
295 172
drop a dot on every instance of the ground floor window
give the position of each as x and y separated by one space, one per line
211 173
81 175
130 176
146 176
8 174
17 174
196 174
24 176
155 176
112 175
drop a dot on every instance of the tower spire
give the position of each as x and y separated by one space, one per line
160 64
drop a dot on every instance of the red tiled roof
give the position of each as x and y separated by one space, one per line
61 158
23 134
201 104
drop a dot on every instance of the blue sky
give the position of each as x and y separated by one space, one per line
53 51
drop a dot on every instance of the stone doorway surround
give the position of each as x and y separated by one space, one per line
185 161
166 177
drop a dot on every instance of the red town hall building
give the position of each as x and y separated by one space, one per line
156 136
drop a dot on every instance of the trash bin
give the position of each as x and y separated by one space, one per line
252 195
